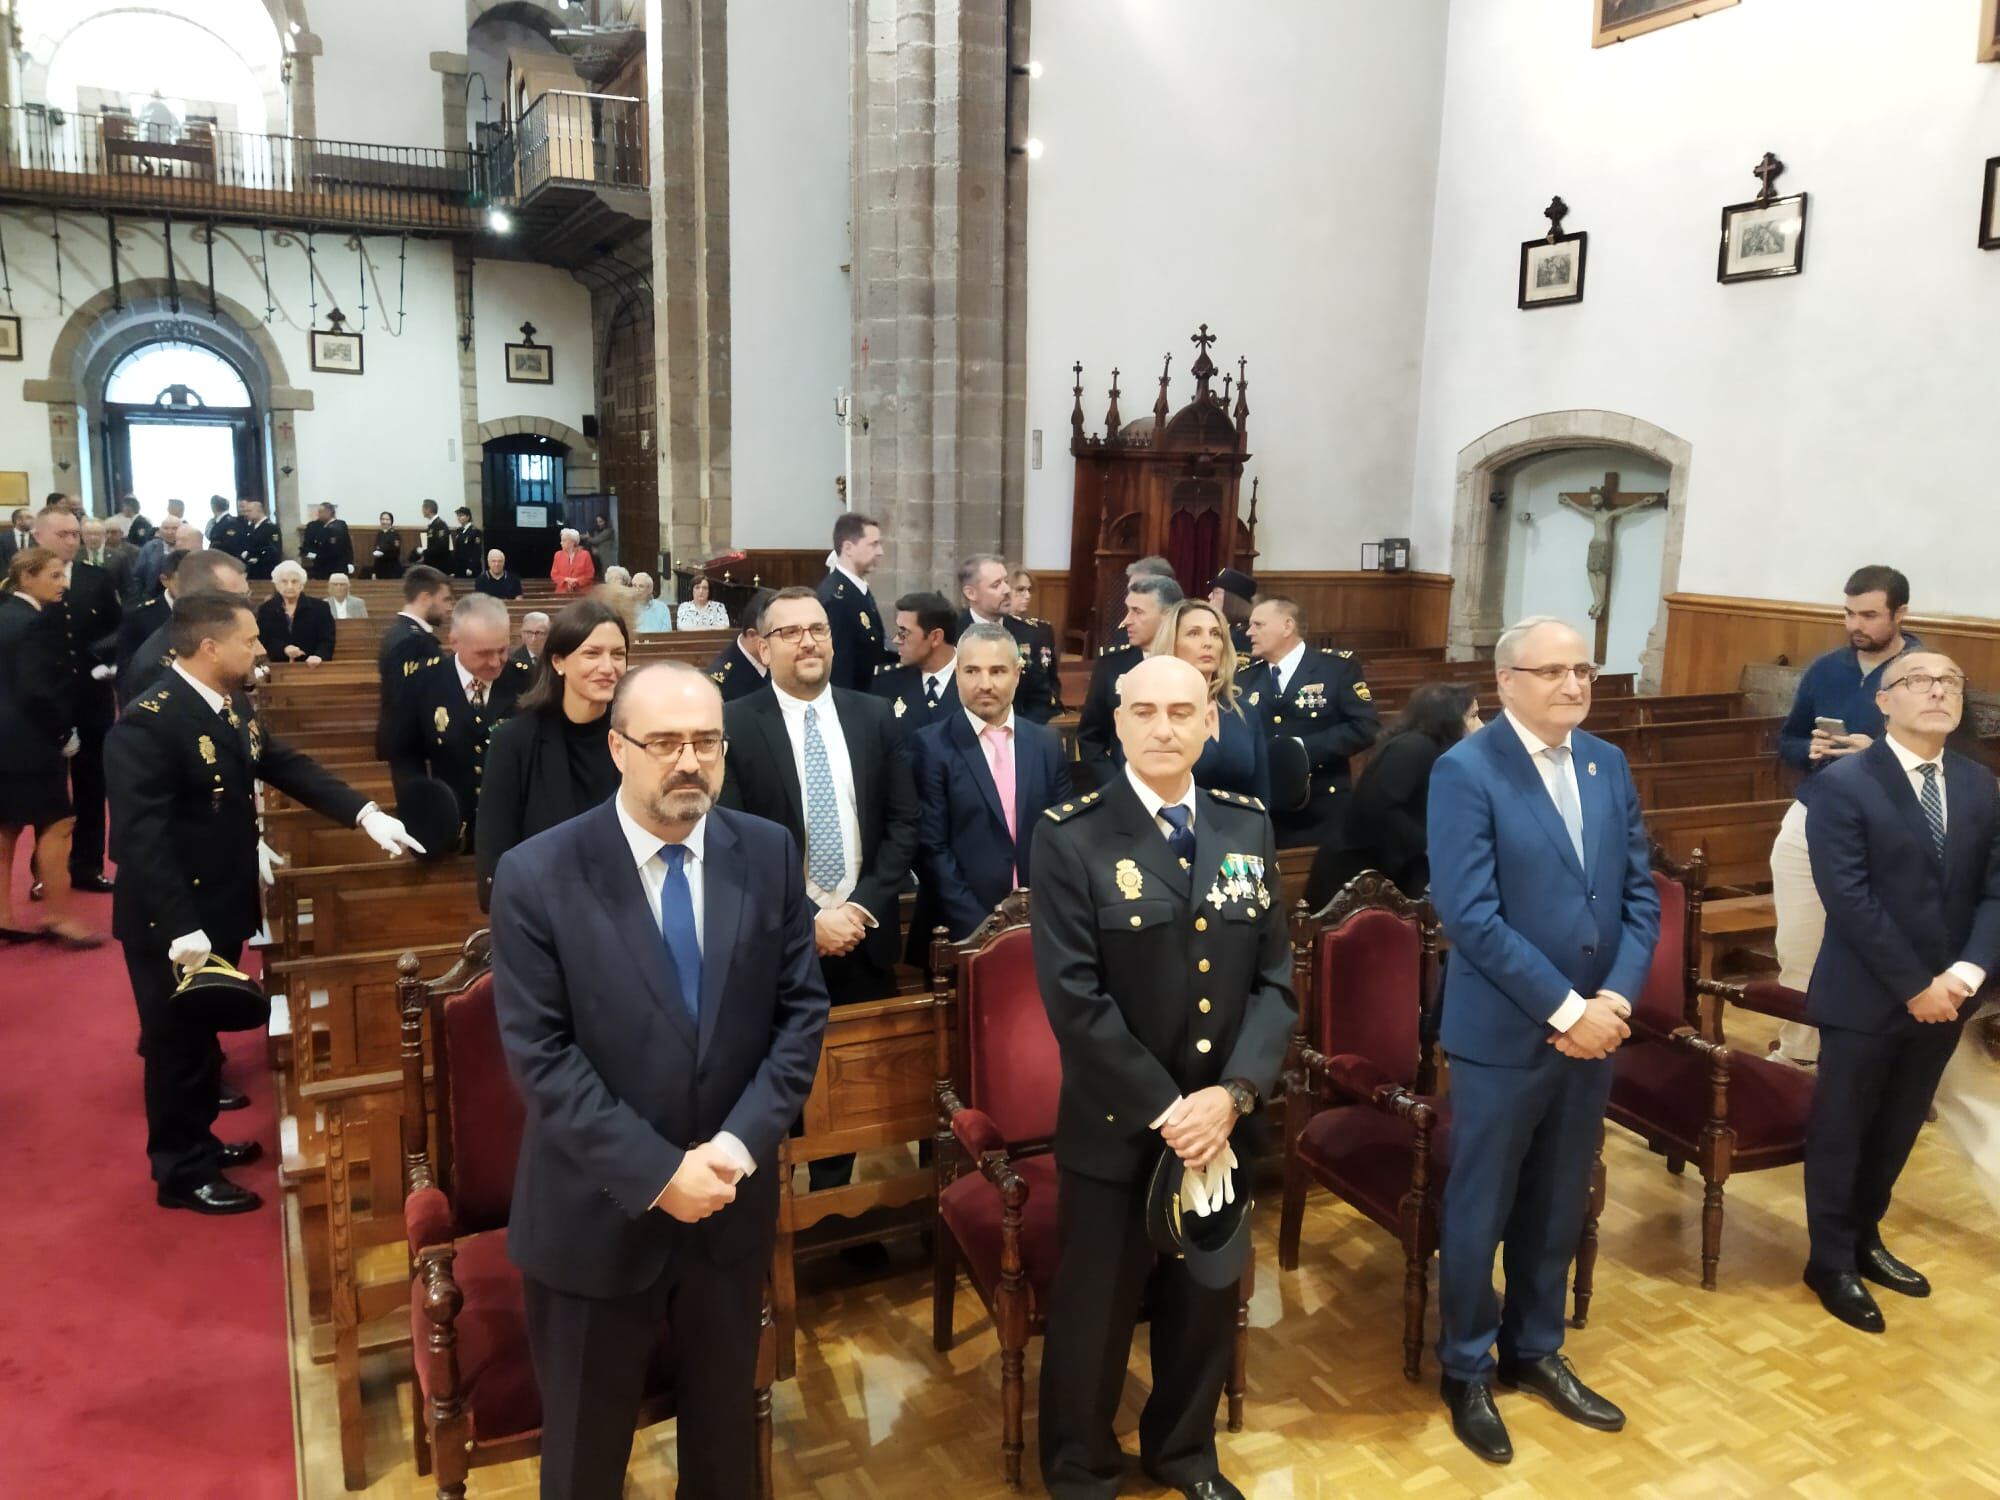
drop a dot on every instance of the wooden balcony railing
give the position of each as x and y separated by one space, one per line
571 139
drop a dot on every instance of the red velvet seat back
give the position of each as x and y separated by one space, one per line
1013 1069
1368 996
1662 1004
483 1113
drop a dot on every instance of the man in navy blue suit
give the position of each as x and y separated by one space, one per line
1905 848
984 776
1539 874
661 1008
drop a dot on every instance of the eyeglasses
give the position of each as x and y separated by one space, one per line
1584 672
791 634
667 748
1953 683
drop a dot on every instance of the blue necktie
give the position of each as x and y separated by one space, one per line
677 927
826 856
1181 840
1566 803
1933 805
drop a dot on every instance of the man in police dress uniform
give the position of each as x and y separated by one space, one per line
435 550
988 596
738 669
409 644
263 545
468 546
153 654
1148 597
184 765
225 528
851 610
90 614
1318 698
446 711
326 548
1162 956
924 689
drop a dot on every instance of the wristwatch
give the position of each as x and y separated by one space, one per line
1242 1093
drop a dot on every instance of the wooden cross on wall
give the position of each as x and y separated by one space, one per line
1604 506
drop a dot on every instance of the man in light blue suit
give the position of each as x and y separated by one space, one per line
1539 874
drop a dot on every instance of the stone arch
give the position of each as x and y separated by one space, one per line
546 427
1478 540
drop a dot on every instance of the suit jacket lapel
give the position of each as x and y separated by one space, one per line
967 745
1145 844
771 718
1888 770
1594 797
1521 770
624 901
722 913
859 754
1962 793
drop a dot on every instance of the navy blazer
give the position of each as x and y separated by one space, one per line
1895 917
966 860
618 1079
1527 923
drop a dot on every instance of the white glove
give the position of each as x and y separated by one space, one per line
190 950
388 833
268 860
71 745
102 673
1194 1188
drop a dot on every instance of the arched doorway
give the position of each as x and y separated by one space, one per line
179 420
523 483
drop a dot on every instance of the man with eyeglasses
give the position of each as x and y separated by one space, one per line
924 689
1539 874
659 1073
1906 856
1834 715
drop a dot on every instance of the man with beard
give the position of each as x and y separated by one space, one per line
658 1086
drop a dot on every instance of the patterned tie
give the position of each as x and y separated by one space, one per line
677 927
477 693
826 856
1933 803
1566 803
1181 840
930 692
999 745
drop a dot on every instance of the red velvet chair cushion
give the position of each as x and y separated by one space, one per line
1660 1088
1013 1069
486 1112
1363 1156
427 1219
1662 1002
970 1208
1370 991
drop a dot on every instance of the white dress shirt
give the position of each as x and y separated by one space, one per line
646 847
842 771
1283 668
1913 764
845 572
1572 1008
939 680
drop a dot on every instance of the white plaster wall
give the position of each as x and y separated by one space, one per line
1838 417
1267 169
373 80
504 294
788 306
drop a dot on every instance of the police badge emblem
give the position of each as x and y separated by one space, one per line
442 719
1131 884
864 621
207 748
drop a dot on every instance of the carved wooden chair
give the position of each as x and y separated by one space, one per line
1362 1117
1687 1095
999 1073
476 1401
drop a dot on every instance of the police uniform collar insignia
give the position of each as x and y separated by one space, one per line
207 748
1344 655
442 719
1131 883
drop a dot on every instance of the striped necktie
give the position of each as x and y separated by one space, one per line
1933 805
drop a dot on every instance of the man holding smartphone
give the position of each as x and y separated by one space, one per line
1834 715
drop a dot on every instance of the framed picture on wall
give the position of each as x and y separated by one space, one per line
1552 270
336 352
531 364
1618 19
1989 209
1763 239
1989 31
10 336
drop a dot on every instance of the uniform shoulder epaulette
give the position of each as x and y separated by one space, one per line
1343 655
1063 812
152 701
1236 799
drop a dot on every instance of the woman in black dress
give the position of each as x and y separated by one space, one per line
295 626
1238 759
552 759
1385 827
37 736
388 562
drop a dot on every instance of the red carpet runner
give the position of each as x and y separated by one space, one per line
142 1351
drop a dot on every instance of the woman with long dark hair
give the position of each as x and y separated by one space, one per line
1385 829
552 759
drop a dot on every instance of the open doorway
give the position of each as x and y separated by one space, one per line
180 423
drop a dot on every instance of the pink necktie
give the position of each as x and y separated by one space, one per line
999 746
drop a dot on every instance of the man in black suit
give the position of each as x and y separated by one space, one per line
1162 956
446 711
152 558
1318 698
409 644
145 652
1905 844
435 549
647 1188
851 611
326 548
20 533
138 530
224 529
468 546
738 669
263 545
121 558
1148 597
988 599
185 762
90 613
522 660
924 688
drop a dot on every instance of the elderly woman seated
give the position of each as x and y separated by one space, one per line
342 600
655 614
294 626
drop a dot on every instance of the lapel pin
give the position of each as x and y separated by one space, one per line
1591 767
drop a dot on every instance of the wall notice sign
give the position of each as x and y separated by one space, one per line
531 517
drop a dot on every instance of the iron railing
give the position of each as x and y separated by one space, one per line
114 161
595 140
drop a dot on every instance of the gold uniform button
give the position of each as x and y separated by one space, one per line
1202 966
1203 1045
1201 924
1277 718
1135 921
1111 1119
1204 1006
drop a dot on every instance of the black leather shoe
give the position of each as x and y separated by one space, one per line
1882 1268
1475 1419
1842 1294
216 1196
1215 1487
231 1098
1553 1378
96 885
240 1153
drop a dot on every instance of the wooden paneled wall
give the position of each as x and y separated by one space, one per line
1711 638
1372 606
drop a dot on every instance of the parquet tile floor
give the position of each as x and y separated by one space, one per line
1749 1391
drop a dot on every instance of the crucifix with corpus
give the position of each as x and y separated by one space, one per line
1604 507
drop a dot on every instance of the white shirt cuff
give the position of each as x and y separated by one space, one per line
1166 1112
1972 974
358 817
867 916
737 1152
1568 1013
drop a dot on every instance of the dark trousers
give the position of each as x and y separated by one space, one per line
851 978
1522 1144
94 713
183 1070
1105 1263
1869 1102
591 1356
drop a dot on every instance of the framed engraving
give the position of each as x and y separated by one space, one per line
10 336
1618 19
531 364
336 352
1552 270
1989 209
1762 239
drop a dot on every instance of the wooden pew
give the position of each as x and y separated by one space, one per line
1715 739
1736 837
1695 783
